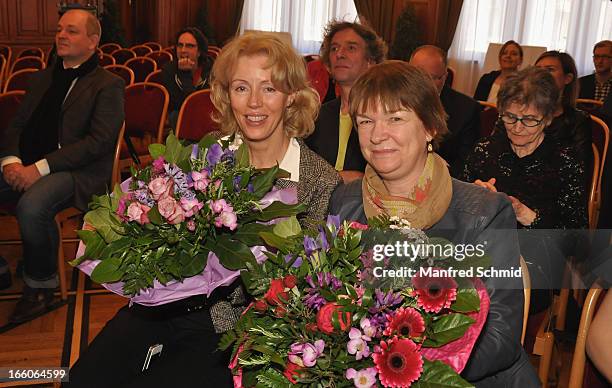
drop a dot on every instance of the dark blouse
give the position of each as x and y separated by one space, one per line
573 129
550 181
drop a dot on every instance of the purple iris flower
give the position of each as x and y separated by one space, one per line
194 151
296 264
323 239
213 156
310 245
313 298
228 157
335 221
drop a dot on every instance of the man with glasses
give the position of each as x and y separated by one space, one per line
597 86
463 112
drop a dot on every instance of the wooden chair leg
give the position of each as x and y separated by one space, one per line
61 262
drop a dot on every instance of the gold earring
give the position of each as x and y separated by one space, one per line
429 146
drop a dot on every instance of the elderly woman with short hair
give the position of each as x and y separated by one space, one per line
399 119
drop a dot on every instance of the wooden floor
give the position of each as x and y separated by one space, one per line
58 337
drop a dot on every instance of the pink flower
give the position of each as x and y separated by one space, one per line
364 378
309 353
158 165
227 218
138 212
191 225
358 345
161 187
200 180
368 329
191 206
121 206
171 210
220 205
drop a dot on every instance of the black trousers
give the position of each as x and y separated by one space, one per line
189 358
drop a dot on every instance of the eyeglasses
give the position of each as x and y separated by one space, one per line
530 122
602 56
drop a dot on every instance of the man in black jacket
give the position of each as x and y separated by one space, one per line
58 151
597 86
189 70
463 112
348 50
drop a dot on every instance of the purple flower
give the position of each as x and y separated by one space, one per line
333 223
312 298
296 264
364 378
383 303
213 156
357 344
194 151
323 239
228 157
306 354
310 245
237 180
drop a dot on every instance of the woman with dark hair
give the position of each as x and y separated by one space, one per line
570 126
189 70
510 58
399 119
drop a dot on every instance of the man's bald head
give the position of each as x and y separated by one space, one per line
432 60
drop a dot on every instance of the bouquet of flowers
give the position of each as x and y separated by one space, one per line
194 204
320 318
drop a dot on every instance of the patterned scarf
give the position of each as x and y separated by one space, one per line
426 204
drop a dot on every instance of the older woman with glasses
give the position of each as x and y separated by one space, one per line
543 177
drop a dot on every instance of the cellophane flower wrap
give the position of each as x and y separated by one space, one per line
321 318
196 207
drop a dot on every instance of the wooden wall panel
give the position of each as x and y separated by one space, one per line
4 20
29 19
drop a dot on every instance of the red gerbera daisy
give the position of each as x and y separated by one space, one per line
405 322
399 364
434 294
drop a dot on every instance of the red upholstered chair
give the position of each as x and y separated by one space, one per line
3 65
488 118
108 48
588 105
27 63
155 77
142 67
18 80
154 46
194 119
311 57
146 108
141 50
213 47
122 71
32 52
106 60
160 57
212 54
9 103
123 55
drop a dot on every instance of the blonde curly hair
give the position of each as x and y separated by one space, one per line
288 76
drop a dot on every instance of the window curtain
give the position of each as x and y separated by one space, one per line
305 20
382 16
224 17
573 26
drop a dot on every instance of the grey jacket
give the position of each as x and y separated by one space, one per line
476 215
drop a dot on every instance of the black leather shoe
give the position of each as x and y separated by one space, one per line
33 303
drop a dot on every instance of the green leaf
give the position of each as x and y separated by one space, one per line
227 339
191 266
94 245
467 301
287 227
446 329
263 183
106 223
272 378
275 210
156 150
207 141
174 149
117 194
439 375
242 156
232 254
107 271
276 241
154 216
249 233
